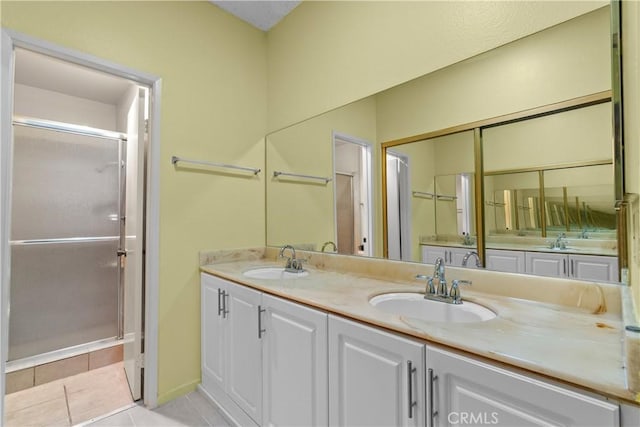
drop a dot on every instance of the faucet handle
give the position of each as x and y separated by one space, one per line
296 263
454 292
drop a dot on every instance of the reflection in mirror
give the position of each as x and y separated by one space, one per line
454 200
581 200
430 195
512 205
304 212
568 61
562 203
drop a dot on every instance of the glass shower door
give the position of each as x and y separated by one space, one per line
65 236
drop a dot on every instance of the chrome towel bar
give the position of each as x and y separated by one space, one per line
297 175
176 159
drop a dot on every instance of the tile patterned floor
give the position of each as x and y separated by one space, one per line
69 401
192 410
83 399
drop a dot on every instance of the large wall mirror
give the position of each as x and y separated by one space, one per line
515 143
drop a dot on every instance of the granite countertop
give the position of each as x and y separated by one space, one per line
579 343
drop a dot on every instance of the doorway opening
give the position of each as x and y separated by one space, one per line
398 206
77 232
353 195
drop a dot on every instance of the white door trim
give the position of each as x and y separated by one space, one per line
368 146
404 196
10 40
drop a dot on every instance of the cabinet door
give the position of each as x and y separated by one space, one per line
244 357
592 267
505 261
546 264
473 393
431 253
295 387
370 383
213 333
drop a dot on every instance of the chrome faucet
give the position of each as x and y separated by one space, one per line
561 242
293 265
442 294
584 234
324 246
438 274
468 255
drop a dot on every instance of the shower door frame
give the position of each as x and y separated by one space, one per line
9 41
121 140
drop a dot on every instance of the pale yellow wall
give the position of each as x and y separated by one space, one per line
572 136
326 54
560 63
299 211
213 70
631 75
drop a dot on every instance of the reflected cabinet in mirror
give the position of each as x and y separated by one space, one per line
509 150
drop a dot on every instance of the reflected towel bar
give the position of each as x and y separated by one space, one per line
176 159
297 175
423 195
446 198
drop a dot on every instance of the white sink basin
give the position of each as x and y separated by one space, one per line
273 273
415 305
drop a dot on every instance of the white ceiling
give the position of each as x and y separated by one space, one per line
45 72
262 14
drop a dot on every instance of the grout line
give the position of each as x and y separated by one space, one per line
66 401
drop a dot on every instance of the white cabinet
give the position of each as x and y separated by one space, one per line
592 267
375 378
452 256
231 349
584 267
469 392
295 379
264 359
505 261
546 264
244 356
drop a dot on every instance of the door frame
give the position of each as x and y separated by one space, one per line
368 175
9 41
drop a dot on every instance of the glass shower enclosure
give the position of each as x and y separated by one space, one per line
66 238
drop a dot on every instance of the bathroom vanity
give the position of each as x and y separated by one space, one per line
313 350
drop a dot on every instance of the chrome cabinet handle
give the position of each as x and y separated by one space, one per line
225 296
220 309
432 412
564 266
260 330
411 403
573 268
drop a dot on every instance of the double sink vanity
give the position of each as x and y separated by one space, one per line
352 341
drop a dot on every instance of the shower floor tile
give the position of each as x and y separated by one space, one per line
71 400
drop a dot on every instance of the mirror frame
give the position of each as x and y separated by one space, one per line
478 127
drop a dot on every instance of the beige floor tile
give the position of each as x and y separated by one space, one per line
87 400
34 396
104 357
61 368
19 380
49 413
